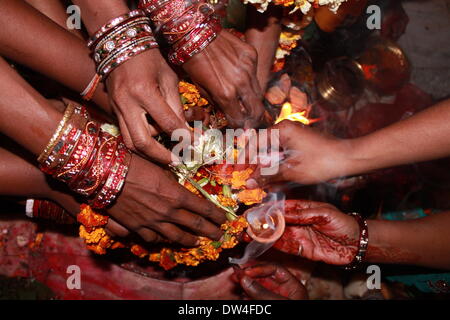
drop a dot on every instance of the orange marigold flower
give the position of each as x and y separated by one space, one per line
167 260
226 201
191 188
89 218
139 251
117 245
94 236
231 243
239 178
249 197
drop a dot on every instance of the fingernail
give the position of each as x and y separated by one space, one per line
246 281
252 184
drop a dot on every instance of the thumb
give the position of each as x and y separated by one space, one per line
317 216
260 180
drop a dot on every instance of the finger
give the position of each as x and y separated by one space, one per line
288 287
317 216
292 243
125 133
116 230
257 291
261 270
258 179
149 235
235 112
175 234
197 224
203 207
143 140
173 100
163 114
252 100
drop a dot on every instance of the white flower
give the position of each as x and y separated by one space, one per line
261 5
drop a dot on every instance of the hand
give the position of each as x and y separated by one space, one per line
319 232
72 206
146 85
154 204
270 282
226 69
308 157
395 21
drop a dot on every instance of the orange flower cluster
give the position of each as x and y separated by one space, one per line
208 250
94 234
217 178
190 96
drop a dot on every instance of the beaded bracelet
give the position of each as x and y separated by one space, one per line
363 242
116 42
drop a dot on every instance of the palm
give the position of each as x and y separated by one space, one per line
319 232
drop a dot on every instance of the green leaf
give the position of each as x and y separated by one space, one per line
203 182
216 244
226 191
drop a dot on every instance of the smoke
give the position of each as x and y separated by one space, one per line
266 226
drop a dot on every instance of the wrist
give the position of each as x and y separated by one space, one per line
375 240
351 160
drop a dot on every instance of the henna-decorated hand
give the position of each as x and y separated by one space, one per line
270 282
226 70
319 232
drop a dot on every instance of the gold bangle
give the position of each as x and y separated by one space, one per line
57 135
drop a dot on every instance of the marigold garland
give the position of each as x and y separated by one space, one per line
94 234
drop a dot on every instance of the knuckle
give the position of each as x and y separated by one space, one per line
178 237
198 223
118 95
148 236
140 87
141 143
227 94
250 53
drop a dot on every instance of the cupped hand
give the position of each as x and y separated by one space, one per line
270 282
155 206
226 70
146 85
319 232
305 156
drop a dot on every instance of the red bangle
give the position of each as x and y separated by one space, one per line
110 25
195 42
115 180
177 29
